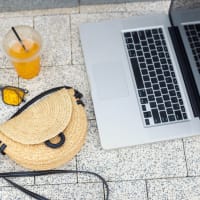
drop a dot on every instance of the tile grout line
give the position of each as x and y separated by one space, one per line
185 158
34 180
79 6
148 179
147 192
70 28
91 182
76 157
33 22
104 194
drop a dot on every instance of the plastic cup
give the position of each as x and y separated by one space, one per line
25 59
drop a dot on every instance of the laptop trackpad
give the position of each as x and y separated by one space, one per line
110 80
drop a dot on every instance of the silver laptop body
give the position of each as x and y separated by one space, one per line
114 90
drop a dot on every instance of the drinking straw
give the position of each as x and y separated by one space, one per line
20 40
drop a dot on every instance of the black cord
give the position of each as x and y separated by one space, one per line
7 175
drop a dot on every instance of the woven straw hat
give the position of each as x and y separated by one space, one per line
39 156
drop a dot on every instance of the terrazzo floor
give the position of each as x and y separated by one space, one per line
168 170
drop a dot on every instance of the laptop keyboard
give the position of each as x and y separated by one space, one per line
157 87
193 33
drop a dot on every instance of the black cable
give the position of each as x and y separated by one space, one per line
6 175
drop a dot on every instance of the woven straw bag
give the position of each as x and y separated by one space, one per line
47 132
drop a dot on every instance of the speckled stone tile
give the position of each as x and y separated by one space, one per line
192 151
150 6
31 13
174 189
89 191
7 165
128 190
6 24
162 159
102 6
12 5
7 77
70 75
55 32
59 178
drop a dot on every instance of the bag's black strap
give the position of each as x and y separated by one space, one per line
38 97
7 175
57 145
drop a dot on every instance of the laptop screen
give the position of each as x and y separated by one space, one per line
178 6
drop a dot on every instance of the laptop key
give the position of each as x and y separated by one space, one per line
157 65
151 98
163 116
171 118
149 91
138 47
174 100
144 108
164 90
172 93
152 74
156 116
168 104
152 104
139 53
162 84
156 87
154 31
157 93
141 35
146 78
176 106
184 115
130 46
143 100
144 72
165 67
147 122
182 108
142 93
147 114
132 53
178 115
127 34
137 73
135 38
159 100
161 107
148 33
166 97
129 40
169 111
170 86
141 59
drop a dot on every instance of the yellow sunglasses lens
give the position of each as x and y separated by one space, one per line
12 96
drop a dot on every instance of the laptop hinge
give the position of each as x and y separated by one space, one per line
186 71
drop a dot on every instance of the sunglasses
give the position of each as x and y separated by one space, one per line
13 96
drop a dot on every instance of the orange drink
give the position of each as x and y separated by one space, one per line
28 65
24 55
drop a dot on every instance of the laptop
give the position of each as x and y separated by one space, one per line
144 74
